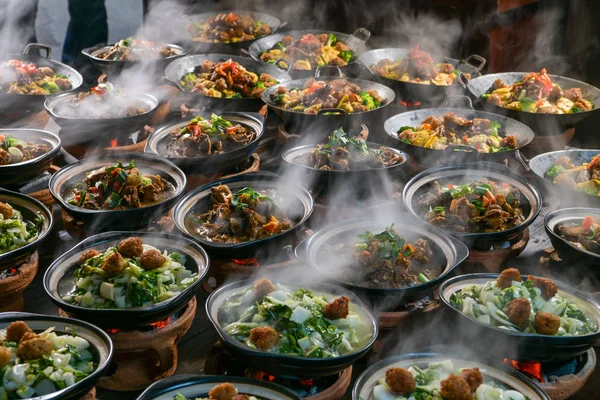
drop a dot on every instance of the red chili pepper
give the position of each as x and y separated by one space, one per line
115 171
230 130
98 90
465 139
195 129
15 63
587 223
94 189
313 89
31 69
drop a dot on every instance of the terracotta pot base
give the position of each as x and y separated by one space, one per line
493 260
13 286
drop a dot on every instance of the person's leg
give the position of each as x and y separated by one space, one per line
87 27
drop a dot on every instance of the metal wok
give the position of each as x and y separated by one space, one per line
356 42
542 124
31 102
178 68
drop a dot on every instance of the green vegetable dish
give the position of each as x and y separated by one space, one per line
276 319
440 380
223 391
532 306
35 365
18 77
129 275
15 232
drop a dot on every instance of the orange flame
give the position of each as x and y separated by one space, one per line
162 324
262 376
113 143
530 368
410 103
307 382
112 330
252 262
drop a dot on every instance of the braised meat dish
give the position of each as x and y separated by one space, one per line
228 28
104 101
18 77
343 152
439 132
119 187
480 206
536 93
315 95
309 52
584 178
417 67
14 151
383 259
203 137
584 235
243 216
136 49
226 79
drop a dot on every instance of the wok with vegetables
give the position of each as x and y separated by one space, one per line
48 357
15 151
16 232
120 279
582 235
443 376
222 391
229 27
584 177
537 318
136 49
277 323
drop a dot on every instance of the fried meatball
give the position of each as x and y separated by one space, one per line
455 388
518 312
548 288
223 391
86 255
400 380
152 259
242 397
16 330
337 308
131 247
5 356
34 348
6 210
507 276
114 264
473 377
263 287
546 323
264 337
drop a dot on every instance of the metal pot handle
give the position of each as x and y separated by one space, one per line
245 53
286 69
300 251
471 151
38 46
462 80
338 71
363 67
362 34
282 25
332 110
479 64
466 99
523 160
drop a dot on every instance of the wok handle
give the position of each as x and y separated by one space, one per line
338 71
462 80
479 61
300 251
331 110
363 67
279 61
458 97
464 149
38 46
168 82
245 53
362 34
523 160
277 28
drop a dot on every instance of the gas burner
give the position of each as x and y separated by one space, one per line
101 143
553 267
493 259
401 105
148 354
252 164
562 379
220 362
14 281
409 314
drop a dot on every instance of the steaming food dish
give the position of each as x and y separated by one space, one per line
15 232
119 187
584 235
135 49
583 178
536 93
532 306
203 137
480 206
222 391
343 152
315 95
417 67
39 364
14 151
273 318
440 381
439 132
309 52
103 102
17 77
226 79
243 216
383 259
129 275
228 28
